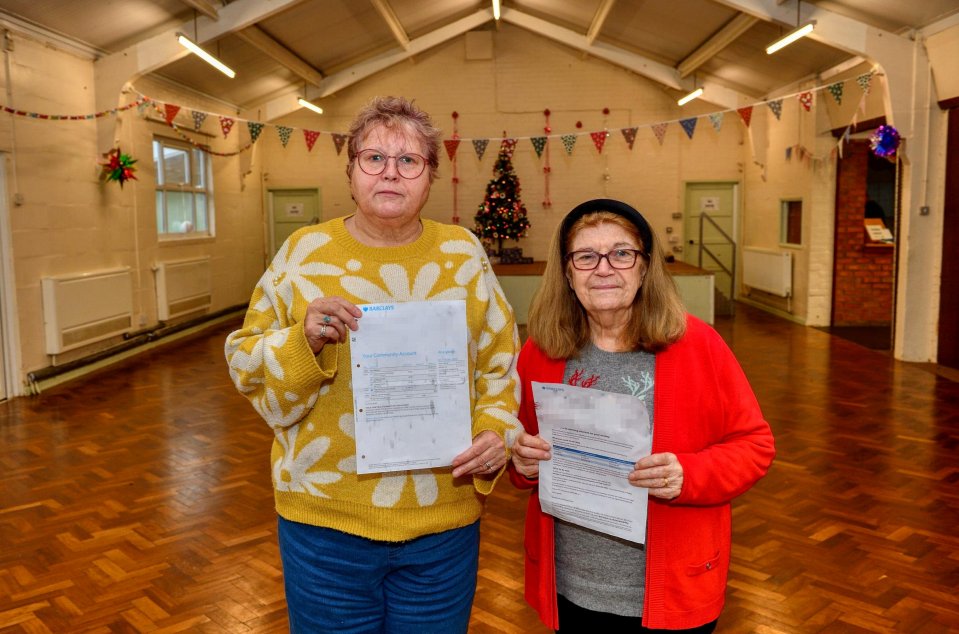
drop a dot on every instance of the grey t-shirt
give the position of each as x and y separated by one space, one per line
594 570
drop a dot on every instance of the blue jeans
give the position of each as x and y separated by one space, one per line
336 582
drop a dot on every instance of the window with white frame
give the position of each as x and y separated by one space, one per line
184 201
790 225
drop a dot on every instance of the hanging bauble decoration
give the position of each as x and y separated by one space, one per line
118 166
885 141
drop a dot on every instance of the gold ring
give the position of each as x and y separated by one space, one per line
489 467
665 483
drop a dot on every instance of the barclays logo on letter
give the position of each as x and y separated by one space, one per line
379 307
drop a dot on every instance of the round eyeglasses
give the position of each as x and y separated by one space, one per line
617 258
374 162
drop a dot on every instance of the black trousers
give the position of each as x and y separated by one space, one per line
574 619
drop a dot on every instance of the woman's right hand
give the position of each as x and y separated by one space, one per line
328 319
527 452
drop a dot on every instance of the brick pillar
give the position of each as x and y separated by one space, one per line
863 275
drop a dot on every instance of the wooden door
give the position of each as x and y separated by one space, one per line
718 201
291 209
948 351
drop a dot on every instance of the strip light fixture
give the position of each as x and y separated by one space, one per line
309 105
696 94
496 9
189 45
792 36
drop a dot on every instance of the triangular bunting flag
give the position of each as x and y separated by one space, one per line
255 129
805 100
310 136
689 125
777 107
630 135
226 124
451 145
198 119
539 143
599 139
569 140
864 81
716 118
789 153
284 133
169 111
508 145
746 113
836 91
338 141
479 146
660 131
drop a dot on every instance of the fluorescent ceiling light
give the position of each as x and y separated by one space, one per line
309 105
791 37
496 9
206 57
696 94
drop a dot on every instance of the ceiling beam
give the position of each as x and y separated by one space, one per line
112 72
284 105
282 55
203 7
599 20
389 16
723 38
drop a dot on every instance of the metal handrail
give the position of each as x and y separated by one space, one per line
703 247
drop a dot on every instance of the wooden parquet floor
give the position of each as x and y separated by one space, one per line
138 500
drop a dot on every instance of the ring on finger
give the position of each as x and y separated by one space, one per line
489 467
665 483
327 319
323 330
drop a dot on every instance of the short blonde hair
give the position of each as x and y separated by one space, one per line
558 323
394 112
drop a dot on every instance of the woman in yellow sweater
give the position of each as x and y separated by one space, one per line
382 552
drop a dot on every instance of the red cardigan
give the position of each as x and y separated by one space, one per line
705 413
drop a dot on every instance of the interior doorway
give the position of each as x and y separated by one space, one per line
5 272
291 209
948 347
717 253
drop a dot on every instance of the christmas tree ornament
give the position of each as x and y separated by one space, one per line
885 141
118 166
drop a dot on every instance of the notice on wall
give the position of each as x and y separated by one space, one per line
294 210
709 203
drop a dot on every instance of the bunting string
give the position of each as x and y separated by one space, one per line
169 112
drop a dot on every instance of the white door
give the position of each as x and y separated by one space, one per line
718 202
291 209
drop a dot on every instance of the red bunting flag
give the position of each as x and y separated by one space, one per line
310 136
338 141
746 113
805 99
451 146
599 139
169 111
226 124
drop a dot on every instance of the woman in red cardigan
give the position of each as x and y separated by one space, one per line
608 316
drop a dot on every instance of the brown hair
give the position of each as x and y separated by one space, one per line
557 320
392 113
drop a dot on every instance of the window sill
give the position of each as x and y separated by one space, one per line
172 242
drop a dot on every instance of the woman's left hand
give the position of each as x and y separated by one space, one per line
485 457
661 473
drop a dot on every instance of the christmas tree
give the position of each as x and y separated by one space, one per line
502 215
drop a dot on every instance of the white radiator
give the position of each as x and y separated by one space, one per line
769 271
83 308
183 287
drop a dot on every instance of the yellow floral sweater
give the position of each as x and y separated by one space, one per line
307 398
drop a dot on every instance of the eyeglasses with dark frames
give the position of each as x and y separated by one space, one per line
373 162
617 258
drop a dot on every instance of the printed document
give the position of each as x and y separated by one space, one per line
411 396
596 439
